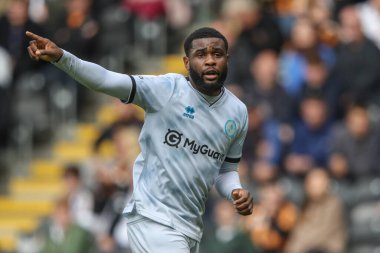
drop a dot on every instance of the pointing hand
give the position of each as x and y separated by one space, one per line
42 48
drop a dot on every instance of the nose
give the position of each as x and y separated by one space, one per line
210 60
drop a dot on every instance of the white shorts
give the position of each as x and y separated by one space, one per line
147 236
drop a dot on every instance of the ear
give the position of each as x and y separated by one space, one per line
186 62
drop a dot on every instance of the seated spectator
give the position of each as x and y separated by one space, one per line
319 12
114 187
226 237
303 42
77 30
259 31
80 199
358 62
13 25
265 89
321 225
311 137
62 235
355 147
272 220
263 142
262 172
319 82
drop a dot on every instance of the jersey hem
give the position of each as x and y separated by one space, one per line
148 214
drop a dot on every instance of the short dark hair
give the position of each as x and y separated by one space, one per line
72 170
204 32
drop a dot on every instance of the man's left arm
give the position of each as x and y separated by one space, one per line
228 183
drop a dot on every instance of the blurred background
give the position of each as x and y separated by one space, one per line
308 71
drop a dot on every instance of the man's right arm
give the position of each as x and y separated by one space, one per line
89 74
95 77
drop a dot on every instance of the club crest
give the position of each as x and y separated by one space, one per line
230 128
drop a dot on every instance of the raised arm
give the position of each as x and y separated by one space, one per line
88 74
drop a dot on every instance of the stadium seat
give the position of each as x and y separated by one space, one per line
65 151
86 132
28 188
106 115
46 169
7 242
16 223
173 64
25 207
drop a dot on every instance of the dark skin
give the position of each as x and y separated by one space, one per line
208 57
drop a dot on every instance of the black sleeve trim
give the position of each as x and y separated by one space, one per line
232 160
133 91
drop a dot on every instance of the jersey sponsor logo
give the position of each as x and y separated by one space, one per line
173 138
230 128
176 139
189 112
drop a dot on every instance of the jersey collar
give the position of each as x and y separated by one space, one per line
210 100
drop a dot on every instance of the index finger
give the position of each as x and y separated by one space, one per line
33 36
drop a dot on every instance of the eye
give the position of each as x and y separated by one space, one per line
200 54
218 54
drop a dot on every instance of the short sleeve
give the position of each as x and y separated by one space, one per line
235 151
151 92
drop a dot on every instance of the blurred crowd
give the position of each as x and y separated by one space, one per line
308 71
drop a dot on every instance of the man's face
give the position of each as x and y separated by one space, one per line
207 64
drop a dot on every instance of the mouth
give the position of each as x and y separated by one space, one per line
210 75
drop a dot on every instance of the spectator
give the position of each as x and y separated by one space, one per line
259 31
227 236
13 25
179 14
303 42
114 186
355 147
311 137
320 12
148 26
80 199
77 30
263 142
273 219
62 235
265 89
319 82
358 62
321 225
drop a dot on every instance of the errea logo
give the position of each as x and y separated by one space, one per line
189 112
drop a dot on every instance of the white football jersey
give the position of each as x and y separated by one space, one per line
185 143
